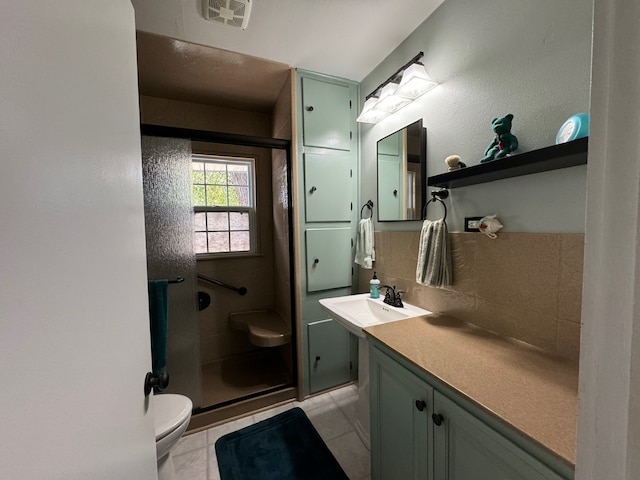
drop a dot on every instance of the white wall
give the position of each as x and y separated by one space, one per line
609 409
74 329
490 58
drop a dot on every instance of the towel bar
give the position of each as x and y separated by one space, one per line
368 205
437 196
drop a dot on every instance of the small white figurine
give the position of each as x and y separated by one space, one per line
454 163
489 225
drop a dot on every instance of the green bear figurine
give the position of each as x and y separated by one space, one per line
504 143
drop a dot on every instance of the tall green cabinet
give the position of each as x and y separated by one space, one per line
327 162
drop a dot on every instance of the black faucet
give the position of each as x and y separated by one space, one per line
392 297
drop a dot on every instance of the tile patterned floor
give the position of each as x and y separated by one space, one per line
332 414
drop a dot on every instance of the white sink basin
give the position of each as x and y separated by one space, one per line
356 312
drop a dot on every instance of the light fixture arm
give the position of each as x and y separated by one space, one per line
392 77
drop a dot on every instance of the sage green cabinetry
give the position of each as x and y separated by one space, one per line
426 431
327 162
328 258
400 432
328 185
326 113
329 352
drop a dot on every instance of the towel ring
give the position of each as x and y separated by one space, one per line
368 205
436 196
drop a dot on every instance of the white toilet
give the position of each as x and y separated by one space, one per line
171 418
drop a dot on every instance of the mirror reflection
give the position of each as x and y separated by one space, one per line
402 174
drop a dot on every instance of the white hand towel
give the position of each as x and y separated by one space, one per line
434 255
365 249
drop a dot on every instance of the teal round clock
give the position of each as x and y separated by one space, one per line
577 126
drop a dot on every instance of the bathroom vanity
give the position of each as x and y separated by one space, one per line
453 401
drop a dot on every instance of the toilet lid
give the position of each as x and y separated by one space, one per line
170 411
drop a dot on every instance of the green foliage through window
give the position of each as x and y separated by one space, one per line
223 199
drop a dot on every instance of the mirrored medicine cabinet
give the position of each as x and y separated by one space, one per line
402 174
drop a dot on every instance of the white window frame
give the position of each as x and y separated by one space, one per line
250 210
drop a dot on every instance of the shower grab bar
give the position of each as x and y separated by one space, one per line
241 290
177 280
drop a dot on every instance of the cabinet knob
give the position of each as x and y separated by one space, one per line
421 405
310 108
395 193
313 189
437 419
316 261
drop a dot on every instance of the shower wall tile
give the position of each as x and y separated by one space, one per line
521 285
225 345
256 273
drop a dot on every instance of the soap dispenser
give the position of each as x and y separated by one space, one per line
374 286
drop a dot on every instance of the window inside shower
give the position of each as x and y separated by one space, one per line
224 205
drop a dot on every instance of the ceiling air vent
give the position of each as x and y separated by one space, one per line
229 12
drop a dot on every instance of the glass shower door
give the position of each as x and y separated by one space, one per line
166 164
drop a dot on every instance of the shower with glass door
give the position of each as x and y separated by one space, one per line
217 214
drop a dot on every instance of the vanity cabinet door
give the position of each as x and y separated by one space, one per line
326 114
328 187
401 408
329 355
468 449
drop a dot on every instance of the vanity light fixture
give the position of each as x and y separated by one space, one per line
400 89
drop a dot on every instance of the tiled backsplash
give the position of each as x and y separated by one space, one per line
522 285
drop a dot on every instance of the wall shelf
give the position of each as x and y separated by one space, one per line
564 155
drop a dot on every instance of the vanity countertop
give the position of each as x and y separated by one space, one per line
530 390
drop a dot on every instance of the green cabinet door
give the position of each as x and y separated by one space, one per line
329 258
326 114
328 187
329 355
468 449
401 407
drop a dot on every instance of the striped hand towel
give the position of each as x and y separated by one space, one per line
434 255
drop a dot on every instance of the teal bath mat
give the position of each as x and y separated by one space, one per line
284 447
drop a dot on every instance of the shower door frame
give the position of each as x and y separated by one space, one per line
259 142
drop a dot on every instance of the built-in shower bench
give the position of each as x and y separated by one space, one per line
266 328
